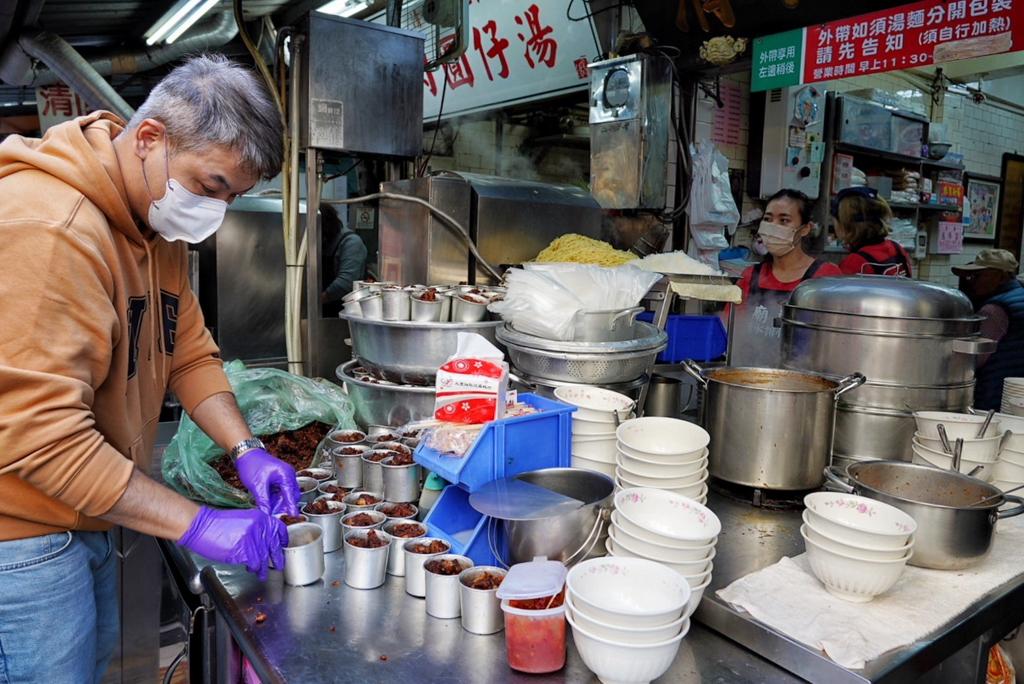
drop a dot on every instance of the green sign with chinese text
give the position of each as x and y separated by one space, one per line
777 60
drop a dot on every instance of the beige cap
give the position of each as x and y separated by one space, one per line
999 259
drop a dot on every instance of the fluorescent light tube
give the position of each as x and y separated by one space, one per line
170 19
191 19
344 8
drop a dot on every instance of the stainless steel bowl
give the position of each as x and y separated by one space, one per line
386 404
409 352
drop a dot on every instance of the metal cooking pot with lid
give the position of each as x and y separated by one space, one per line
951 534
769 428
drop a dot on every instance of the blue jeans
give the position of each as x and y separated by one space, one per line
58 607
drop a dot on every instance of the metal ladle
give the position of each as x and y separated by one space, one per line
944 439
958 450
984 426
996 496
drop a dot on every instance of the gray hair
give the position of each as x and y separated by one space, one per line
210 100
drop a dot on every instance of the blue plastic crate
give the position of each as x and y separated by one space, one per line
701 338
452 518
508 447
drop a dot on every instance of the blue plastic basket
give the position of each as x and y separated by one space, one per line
452 518
508 447
701 338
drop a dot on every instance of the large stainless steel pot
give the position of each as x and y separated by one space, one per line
917 342
951 534
385 404
409 352
770 428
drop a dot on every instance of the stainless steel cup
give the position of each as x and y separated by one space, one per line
366 568
396 561
378 521
304 555
442 591
387 508
373 475
348 468
372 306
334 439
415 580
466 311
481 608
352 308
401 482
427 312
663 397
397 304
352 497
308 488
330 523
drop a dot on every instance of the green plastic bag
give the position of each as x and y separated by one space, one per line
271 401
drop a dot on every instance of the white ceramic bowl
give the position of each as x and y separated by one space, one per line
696 593
1012 456
648 468
590 464
657 551
858 551
595 403
582 427
849 578
632 592
1014 424
700 579
621 546
670 516
662 438
614 662
597 449
859 520
923 456
1016 407
690 491
1008 471
637 480
964 425
625 635
986 449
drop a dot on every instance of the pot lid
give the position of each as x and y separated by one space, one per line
538 578
513 499
884 296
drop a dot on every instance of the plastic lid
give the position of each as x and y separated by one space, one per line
536 579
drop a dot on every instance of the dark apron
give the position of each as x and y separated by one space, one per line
756 341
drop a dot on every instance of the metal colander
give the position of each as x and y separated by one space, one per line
594 363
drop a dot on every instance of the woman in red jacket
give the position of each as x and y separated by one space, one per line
861 219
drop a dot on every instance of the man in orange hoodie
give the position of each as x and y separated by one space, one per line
97 320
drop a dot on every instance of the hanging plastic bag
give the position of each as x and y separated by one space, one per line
271 401
711 201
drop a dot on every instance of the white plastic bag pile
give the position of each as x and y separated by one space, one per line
543 299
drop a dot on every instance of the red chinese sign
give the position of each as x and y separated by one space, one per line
518 51
911 36
58 103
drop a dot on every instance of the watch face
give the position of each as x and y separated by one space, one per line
616 88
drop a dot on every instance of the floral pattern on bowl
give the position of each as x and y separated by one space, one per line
667 513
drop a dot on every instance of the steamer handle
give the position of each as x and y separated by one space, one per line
632 313
691 368
839 478
591 540
1013 511
980 345
851 381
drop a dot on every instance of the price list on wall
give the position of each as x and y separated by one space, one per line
905 37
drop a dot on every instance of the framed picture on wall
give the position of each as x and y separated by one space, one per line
983 194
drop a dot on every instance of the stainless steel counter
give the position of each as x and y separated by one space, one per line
754 538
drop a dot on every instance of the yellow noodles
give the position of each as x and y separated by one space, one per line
583 250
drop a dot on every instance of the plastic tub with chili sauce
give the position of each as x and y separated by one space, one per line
534 608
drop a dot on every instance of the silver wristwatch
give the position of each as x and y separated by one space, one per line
243 446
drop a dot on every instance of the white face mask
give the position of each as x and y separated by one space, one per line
778 240
183 215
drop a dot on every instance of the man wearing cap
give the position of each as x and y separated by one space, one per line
992 286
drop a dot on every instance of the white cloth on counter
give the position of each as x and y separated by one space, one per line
789 598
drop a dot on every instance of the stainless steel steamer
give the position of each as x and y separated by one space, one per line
917 342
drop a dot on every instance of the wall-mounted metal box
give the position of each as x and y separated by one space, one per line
362 87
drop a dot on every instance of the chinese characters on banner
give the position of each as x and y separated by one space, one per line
519 50
58 103
951 238
904 37
728 119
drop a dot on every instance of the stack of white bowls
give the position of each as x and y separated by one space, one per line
593 424
856 546
669 529
1009 471
628 617
1013 397
663 453
927 445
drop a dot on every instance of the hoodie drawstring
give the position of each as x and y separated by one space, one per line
156 319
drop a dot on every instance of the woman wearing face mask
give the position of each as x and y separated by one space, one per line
766 286
861 219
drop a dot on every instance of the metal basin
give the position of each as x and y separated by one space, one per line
409 352
386 404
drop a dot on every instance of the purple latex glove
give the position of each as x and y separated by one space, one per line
249 537
271 481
